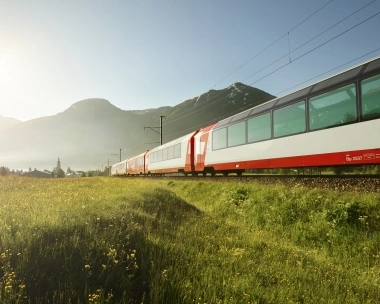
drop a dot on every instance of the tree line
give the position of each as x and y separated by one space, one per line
59 173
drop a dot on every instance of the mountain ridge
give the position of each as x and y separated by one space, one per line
7 122
86 134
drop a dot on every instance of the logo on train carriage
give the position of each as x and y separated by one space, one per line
369 156
353 158
366 156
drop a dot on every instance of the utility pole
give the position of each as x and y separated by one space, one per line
160 127
109 169
118 155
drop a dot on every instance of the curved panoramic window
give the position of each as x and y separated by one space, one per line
159 155
219 139
164 154
259 128
236 134
170 152
371 97
333 108
289 120
177 151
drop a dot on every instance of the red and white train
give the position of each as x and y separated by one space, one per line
333 122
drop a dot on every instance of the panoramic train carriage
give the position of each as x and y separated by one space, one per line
333 122
172 157
136 164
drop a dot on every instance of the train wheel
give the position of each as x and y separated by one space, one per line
225 173
204 173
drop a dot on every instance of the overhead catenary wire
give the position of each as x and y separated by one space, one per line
306 53
297 85
214 120
127 148
281 67
273 43
317 47
329 71
277 60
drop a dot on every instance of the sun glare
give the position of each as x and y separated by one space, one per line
9 65
9 68
3 71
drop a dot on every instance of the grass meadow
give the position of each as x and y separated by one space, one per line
134 240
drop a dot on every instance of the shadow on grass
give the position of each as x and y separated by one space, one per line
161 214
166 205
69 264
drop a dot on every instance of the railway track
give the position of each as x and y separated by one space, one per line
356 183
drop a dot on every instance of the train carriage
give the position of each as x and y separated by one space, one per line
136 165
172 157
333 122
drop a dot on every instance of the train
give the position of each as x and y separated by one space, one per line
333 122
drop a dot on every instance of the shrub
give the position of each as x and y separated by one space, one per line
238 196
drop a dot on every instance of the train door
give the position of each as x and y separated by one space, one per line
189 161
199 147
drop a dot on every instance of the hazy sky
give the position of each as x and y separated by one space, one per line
150 53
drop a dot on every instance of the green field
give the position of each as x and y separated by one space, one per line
110 240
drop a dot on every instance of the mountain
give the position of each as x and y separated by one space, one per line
89 132
7 122
210 107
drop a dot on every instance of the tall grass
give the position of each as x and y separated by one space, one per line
103 240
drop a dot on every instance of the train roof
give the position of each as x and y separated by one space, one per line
173 142
365 69
137 156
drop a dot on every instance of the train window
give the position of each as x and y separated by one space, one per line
240 116
171 152
164 154
337 79
371 97
236 134
223 122
177 151
259 128
263 108
219 139
159 155
333 108
289 120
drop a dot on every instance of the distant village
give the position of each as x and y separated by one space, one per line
57 172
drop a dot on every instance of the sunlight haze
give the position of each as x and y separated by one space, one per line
148 54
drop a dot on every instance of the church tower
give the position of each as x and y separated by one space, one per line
58 164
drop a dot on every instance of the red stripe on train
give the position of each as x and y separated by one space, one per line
361 157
